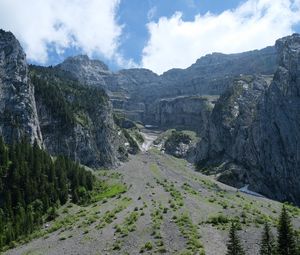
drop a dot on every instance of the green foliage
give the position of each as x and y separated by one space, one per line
65 98
219 219
148 246
189 231
175 138
32 186
234 246
134 148
286 235
103 190
267 246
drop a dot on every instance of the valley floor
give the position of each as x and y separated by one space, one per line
167 208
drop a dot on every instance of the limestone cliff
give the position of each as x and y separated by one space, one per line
76 120
254 131
18 115
186 112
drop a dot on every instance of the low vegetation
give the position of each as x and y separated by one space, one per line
190 232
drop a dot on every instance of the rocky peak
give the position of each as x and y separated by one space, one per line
140 74
288 49
86 70
84 61
18 116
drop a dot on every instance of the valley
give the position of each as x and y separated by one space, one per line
167 207
94 161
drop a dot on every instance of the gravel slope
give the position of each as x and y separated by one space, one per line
161 190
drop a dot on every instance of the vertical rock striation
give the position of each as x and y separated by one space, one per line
254 131
18 115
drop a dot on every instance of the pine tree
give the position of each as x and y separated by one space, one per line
234 246
286 240
267 246
31 183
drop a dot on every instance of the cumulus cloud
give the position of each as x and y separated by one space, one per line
89 25
254 24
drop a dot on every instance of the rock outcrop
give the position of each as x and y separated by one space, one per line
273 149
86 71
254 131
18 115
186 112
76 120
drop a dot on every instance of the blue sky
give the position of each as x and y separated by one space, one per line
135 32
153 34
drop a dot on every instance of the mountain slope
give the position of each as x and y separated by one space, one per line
76 120
167 208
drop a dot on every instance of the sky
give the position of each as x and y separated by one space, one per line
154 34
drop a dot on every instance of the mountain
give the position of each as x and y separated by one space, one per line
18 114
253 138
76 120
137 92
238 116
61 113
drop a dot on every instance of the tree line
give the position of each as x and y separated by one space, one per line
287 242
33 185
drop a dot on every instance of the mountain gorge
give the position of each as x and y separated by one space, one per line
169 161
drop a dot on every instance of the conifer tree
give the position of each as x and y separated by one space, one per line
234 246
32 186
286 240
267 246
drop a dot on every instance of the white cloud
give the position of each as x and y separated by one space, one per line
89 25
255 24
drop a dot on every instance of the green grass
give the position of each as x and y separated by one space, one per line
105 191
155 169
190 232
128 225
189 189
176 200
110 215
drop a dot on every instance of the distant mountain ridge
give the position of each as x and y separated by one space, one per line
134 91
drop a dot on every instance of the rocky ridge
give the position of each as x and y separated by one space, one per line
136 92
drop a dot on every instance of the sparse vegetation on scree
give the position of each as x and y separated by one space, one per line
157 204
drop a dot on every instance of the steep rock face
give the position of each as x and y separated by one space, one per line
187 112
76 120
135 91
18 115
213 73
254 133
230 120
274 144
87 71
